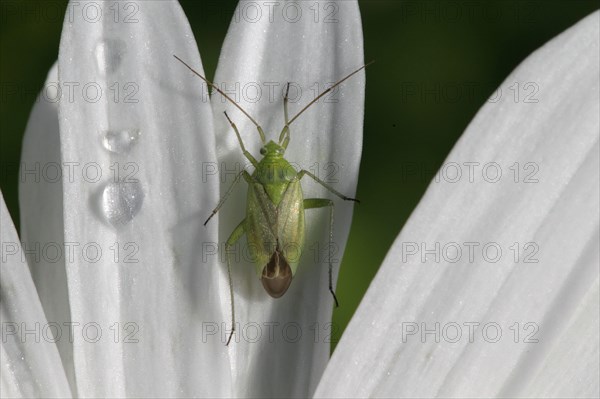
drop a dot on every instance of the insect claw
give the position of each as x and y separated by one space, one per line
337 304
230 336
210 217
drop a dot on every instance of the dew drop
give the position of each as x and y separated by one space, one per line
121 201
109 54
120 141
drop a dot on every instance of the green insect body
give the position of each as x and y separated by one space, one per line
274 223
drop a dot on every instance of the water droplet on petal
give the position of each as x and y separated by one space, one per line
120 141
109 54
121 201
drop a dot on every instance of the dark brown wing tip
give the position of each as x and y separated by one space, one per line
277 275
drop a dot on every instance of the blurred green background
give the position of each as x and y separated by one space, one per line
419 46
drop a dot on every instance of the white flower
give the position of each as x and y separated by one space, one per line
383 352
142 144
157 315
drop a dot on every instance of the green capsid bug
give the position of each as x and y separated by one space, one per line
274 222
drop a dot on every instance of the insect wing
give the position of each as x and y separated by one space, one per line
261 218
268 226
290 224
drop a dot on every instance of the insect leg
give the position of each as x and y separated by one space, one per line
284 137
327 186
237 133
285 103
222 201
312 203
237 233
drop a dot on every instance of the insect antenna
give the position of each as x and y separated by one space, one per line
260 130
327 91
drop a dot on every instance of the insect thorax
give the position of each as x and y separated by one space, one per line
274 174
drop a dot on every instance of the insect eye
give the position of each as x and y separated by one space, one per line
280 151
263 151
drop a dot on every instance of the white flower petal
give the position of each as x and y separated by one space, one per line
40 201
137 276
559 215
30 364
312 45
